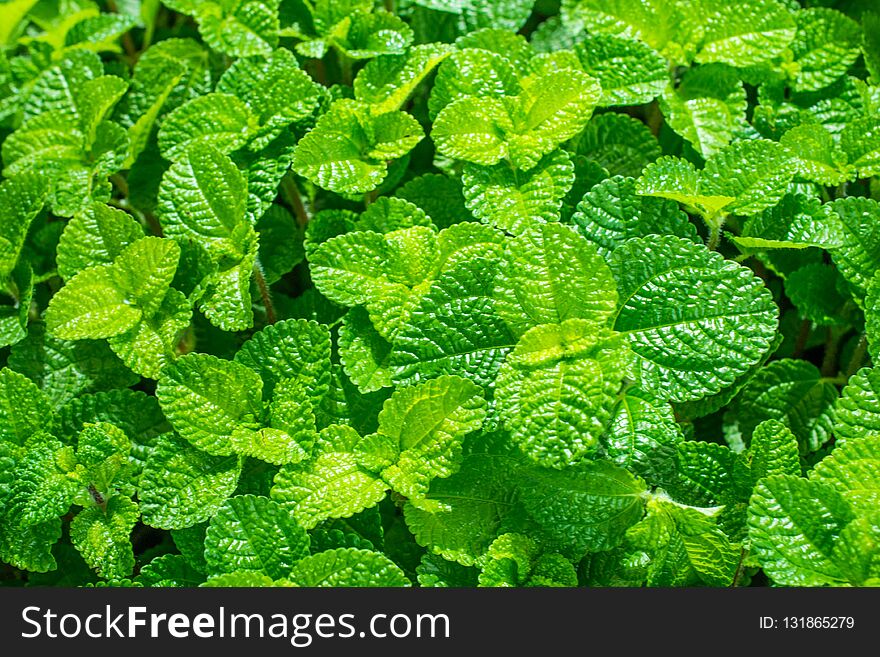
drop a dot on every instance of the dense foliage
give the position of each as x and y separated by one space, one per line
439 292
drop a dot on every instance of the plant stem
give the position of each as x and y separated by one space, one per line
829 361
291 193
802 337
121 184
715 223
389 6
858 356
266 295
346 64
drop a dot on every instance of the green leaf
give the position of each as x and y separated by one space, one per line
331 484
708 108
619 143
551 274
827 43
239 28
21 199
860 140
472 507
363 36
549 110
64 370
13 14
794 392
23 408
857 410
423 426
207 399
514 201
858 256
630 72
254 534
797 221
348 149
556 390
102 536
182 486
693 320
818 158
816 292
708 474
472 73
641 435
364 353
853 470
611 213
586 508
388 81
91 306
774 451
170 570
746 33
219 120
346 567
294 349
685 546
793 525
855 551
277 91
455 328
95 236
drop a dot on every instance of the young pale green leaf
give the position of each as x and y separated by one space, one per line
388 214
611 213
203 197
709 115
513 200
551 274
857 410
150 345
331 484
585 508
388 81
295 349
472 507
854 471
641 435
818 158
95 236
472 73
254 534
473 129
182 486
793 392
858 256
686 311
23 408
91 306
102 536
774 451
363 352
348 567
617 142
630 72
746 33
685 546
556 390
21 199
423 426
207 399
364 36
348 149
793 525
454 329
